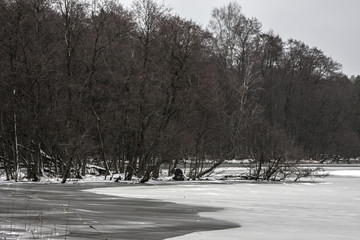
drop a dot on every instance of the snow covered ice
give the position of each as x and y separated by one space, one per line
326 209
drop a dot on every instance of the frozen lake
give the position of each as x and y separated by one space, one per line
326 209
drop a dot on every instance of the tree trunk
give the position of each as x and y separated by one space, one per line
148 174
210 169
67 170
5 160
258 170
16 149
103 155
122 157
172 167
83 167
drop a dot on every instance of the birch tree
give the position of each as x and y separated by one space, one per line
236 46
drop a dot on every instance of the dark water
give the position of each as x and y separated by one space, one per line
54 211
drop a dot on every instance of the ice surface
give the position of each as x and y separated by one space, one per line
345 173
328 209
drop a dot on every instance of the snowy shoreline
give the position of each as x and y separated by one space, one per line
338 170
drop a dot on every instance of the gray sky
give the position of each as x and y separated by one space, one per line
330 25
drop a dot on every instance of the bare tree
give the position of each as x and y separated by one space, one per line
235 45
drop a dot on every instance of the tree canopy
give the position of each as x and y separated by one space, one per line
135 89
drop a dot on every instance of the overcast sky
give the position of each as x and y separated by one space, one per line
330 25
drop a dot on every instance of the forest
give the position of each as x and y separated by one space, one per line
136 89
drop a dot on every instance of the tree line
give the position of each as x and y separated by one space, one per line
136 89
